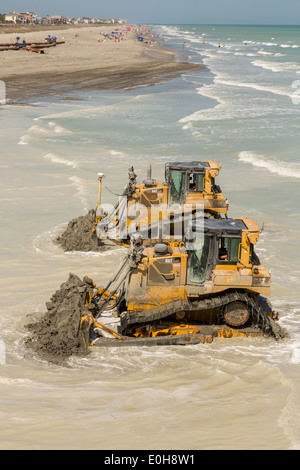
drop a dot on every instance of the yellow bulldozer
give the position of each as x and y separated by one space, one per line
194 278
188 186
209 284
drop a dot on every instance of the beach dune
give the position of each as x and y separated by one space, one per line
89 58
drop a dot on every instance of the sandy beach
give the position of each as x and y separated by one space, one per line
87 60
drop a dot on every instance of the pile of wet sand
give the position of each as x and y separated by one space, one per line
56 335
78 234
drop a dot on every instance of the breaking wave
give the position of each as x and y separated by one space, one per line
262 52
36 131
61 161
277 66
278 167
83 192
255 86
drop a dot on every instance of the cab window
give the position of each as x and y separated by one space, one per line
228 249
176 186
192 184
198 260
196 182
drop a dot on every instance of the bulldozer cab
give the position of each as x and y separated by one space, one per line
216 242
217 254
188 180
229 241
189 188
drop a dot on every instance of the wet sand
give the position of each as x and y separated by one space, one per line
87 60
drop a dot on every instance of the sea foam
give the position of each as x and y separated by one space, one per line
277 66
61 161
275 166
256 86
34 132
83 192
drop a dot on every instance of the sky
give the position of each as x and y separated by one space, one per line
278 12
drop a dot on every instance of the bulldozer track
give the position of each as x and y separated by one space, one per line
217 301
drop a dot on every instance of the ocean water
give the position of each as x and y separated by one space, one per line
241 110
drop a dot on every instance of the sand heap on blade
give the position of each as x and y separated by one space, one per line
56 336
78 234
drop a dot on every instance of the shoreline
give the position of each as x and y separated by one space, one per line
88 60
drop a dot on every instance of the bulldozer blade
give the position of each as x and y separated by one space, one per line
85 326
106 332
155 341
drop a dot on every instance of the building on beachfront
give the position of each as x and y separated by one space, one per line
94 20
23 18
32 18
28 17
13 17
113 21
84 20
56 19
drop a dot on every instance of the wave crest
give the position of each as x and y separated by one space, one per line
61 161
277 66
278 167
